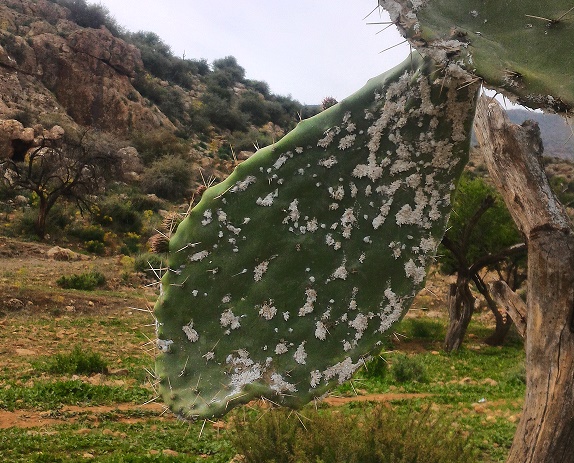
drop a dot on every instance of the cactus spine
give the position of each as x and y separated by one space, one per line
285 277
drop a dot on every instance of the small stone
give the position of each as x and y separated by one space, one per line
480 409
25 352
489 382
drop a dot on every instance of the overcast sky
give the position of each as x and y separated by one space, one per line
308 49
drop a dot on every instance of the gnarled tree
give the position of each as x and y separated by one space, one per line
480 235
72 168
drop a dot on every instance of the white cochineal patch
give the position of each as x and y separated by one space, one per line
309 303
268 310
300 354
260 270
229 319
191 334
245 370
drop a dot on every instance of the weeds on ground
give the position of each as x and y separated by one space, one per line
52 395
77 362
408 369
377 434
84 281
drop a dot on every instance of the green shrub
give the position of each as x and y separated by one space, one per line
88 233
85 281
91 15
242 141
132 243
156 144
421 328
95 247
408 369
377 368
168 177
380 435
146 262
78 362
143 203
427 329
118 214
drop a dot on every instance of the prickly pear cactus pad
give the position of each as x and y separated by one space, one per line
520 47
285 277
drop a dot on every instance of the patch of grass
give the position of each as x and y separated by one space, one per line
377 435
84 281
78 362
53 394
408 369
117 443
376 369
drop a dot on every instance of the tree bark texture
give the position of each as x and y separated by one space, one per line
513 304
545 433
460 310
503 320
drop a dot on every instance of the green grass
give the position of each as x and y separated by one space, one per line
51 395
116 442
84 281
79 362
477 391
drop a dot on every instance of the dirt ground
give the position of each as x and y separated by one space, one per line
28 289
28 280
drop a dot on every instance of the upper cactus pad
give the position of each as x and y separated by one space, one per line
519 47
284 278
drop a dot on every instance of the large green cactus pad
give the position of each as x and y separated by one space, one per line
285 277
520 47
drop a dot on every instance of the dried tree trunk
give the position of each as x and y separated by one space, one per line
503 320
460 309
545 433
515 307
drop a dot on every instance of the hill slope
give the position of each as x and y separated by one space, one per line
67 62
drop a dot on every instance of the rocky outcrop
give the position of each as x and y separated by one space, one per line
52 70
16 140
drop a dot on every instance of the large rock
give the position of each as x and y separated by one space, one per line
58 253
12 132
103 46
15 139
55 70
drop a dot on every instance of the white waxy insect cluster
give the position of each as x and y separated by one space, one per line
375 194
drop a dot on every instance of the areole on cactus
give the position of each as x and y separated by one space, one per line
286 276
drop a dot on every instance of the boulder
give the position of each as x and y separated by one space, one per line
10 130
58 253
58 71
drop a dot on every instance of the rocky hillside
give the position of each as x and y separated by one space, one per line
53 71
67 62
